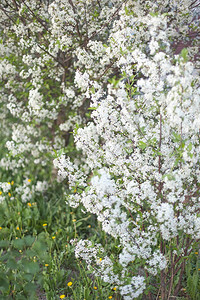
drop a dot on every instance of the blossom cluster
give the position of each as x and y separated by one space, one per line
142 144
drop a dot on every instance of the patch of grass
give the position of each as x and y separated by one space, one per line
36 257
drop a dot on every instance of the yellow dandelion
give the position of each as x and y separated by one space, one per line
12 182
17 228
95 287
0 228
0 192
29 204
69 283
198 269
89 226
196 253
74 220
20 251
16 238
8 182
29 180
114 289
110 297
75 190
62 296
9 194
53 237
44 225
100 259
46 265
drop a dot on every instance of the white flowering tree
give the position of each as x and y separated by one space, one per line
42 57
42 43
135 65
140 175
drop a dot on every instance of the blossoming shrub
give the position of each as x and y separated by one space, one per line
41 45
108 70
140 175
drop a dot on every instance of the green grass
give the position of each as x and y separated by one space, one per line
36 257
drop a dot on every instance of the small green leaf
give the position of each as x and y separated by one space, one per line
4 283
29 240
92 108
12 263
184 54
18 244
30 267
189 147
142 145
4 244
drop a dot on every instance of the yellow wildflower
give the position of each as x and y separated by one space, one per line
29 204
46 265
12 182
9 194
74 220
69 283
62 296
0 192
110 297
95 287
44 225
29 180
17 228
53 237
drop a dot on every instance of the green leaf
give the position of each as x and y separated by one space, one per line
30 288
28 276
142 145
4 244
184 54
18 244
78 224
189 147
29 240
30 253
92 108
4 283
12 263
21 297
30 267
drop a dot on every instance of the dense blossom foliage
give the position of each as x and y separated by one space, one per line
139 168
